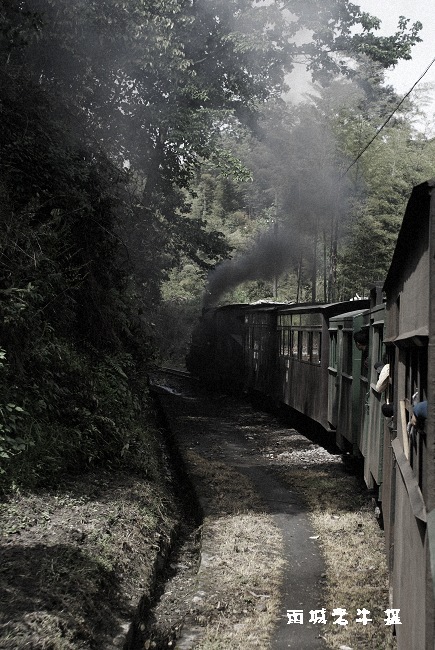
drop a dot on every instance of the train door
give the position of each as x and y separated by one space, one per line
285 352
340 401
361 364
348 422
333 379
250 350
373 431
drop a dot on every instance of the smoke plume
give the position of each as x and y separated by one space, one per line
274 252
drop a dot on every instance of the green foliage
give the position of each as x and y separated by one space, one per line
302 177
70 327
80 409
381 181
341 30
11 417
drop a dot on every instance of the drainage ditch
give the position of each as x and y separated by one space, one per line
159 617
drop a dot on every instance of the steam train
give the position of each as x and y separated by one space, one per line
305 356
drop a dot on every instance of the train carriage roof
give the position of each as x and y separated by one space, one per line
330 309
349 314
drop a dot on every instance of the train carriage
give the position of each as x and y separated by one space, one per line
409 451
261 348
304 356
216 350
347 379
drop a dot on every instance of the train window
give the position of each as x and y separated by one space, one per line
364 366
264 331
261 319
295 343
333 349
305 348
416 373
256 338
305 345
347 353
415 359
391 360
248 338
316 347
379 354
285 341
284 323
311 320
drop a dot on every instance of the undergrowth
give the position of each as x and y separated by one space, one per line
74 411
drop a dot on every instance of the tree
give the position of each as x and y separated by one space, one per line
378 175
344 213
341 31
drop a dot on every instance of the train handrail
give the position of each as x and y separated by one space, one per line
431 541
405 440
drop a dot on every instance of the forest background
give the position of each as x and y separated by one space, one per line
153 157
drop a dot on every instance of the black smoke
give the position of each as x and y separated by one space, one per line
274 252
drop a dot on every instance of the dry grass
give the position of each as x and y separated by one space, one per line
342 516
244 579
223 489
74 563
353 548
238 586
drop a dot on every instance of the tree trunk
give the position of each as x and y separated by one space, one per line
332 288
325 274
298 295
314 268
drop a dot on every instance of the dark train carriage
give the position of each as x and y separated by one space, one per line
261 348
409 466
304 356
229 357
216 351
347 379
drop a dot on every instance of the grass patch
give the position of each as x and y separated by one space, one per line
238 598
241 583
76 561
353 548
223 489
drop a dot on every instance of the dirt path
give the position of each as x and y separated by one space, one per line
115 559
232 455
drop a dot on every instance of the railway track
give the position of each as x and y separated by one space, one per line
175 371
164 379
